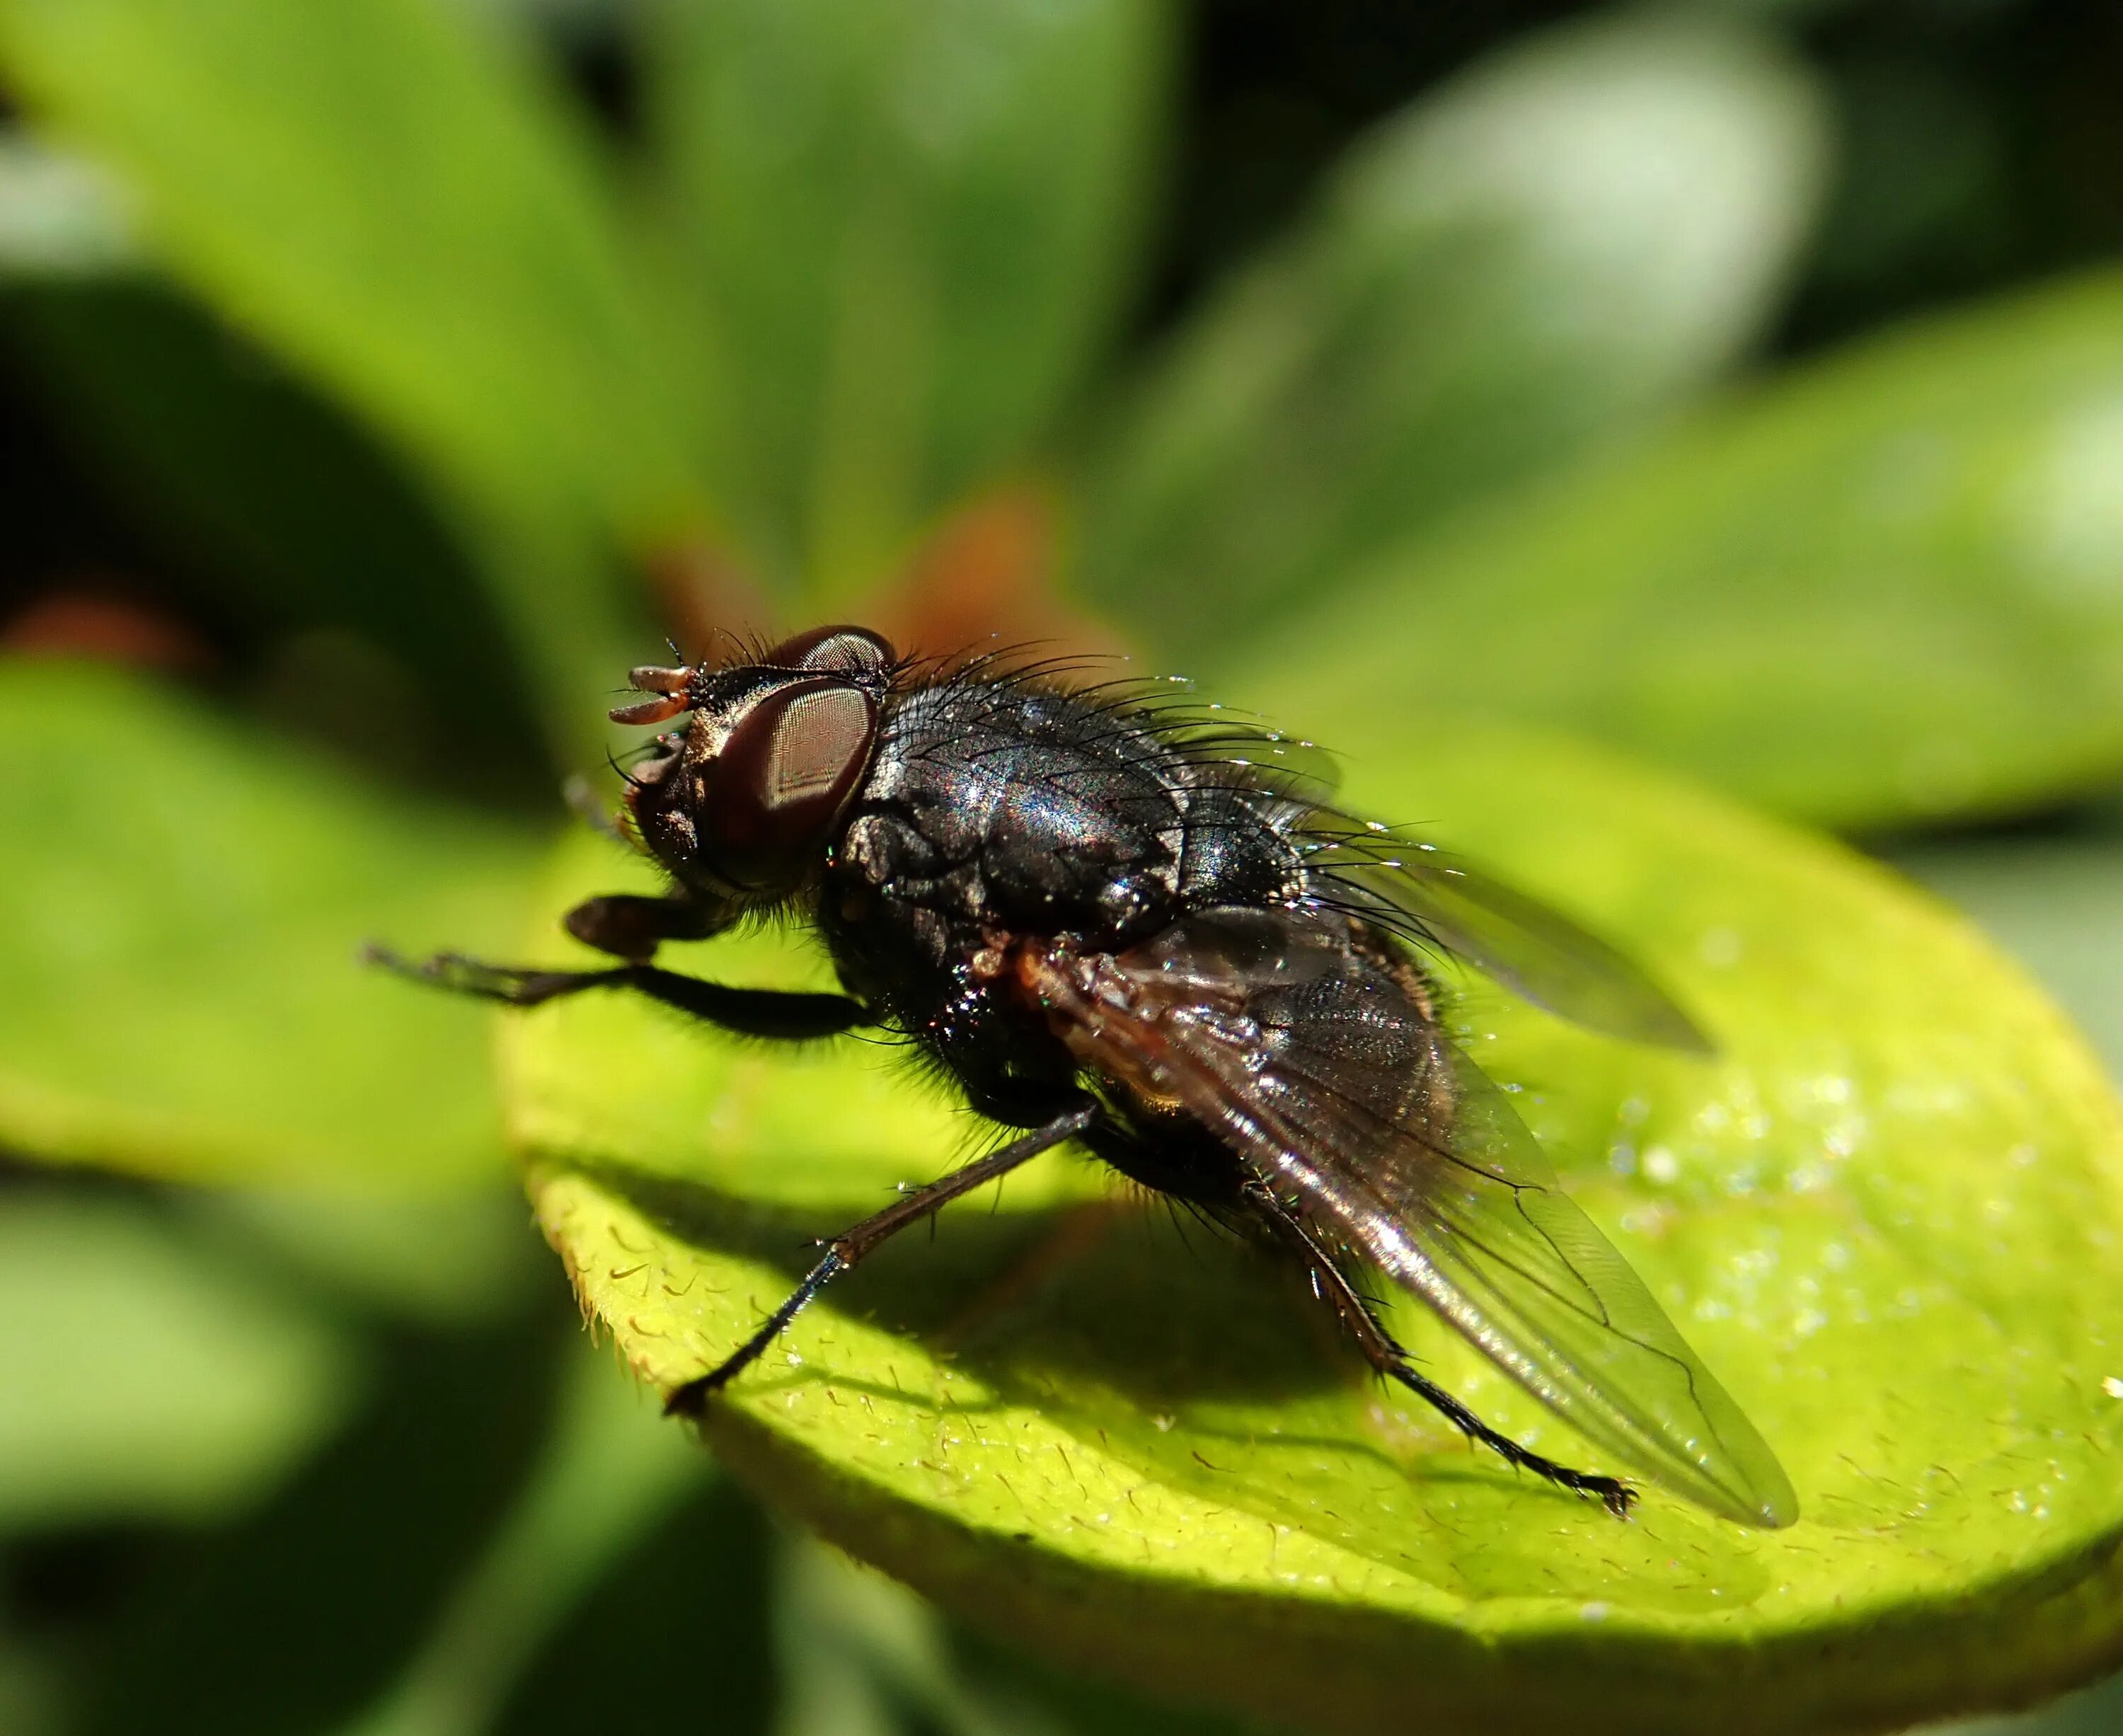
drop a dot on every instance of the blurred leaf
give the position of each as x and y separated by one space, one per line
142 1375
2097 1712
60 216
1886 1217
181 900
565 17
1564 241
908 228
390 198
863 1654
610 1471
31 1697
1882 591
1082 1700
2056 904
296 1615
459 1259
678 1624
284 511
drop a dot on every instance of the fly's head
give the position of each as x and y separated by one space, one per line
743 799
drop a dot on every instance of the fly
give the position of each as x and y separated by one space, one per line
1116 921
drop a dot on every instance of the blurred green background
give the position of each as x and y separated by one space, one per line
1739 384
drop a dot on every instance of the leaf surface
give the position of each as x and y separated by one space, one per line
181 903
1885 1215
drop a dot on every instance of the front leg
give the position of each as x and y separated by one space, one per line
631 926
785 1015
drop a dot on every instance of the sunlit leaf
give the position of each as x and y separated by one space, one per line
908 229
60 216
1885 1215
182 901
145 1376
388 196
1544 254
1882 590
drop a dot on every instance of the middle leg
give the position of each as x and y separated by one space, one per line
844 1250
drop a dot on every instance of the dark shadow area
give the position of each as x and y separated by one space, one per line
1115 1293
1207 1363
295 1617
677 1635
178 498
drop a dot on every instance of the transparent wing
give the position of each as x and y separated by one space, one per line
1478 1227
1535 952
1320 1069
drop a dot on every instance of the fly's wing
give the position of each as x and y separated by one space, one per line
1316 1066
1464 1211
1537 953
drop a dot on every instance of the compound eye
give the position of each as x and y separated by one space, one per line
788 767
833 650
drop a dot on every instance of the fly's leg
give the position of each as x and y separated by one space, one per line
631 926
785 1015
1391 1360
847 1249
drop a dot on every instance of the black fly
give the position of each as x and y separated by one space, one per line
1117 922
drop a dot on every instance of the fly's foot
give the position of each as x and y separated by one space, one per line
455 973
691 1399
1611 1493
1616 1496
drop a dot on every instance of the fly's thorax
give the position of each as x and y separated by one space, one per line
1236 847
1028 808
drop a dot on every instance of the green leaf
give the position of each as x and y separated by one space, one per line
1885 1216
908 229
1881 591
2094 1712
145 1376
294 1616
1562 244
60 216
445 1261
182 901
702 1569
392 198
861 1653
274 503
